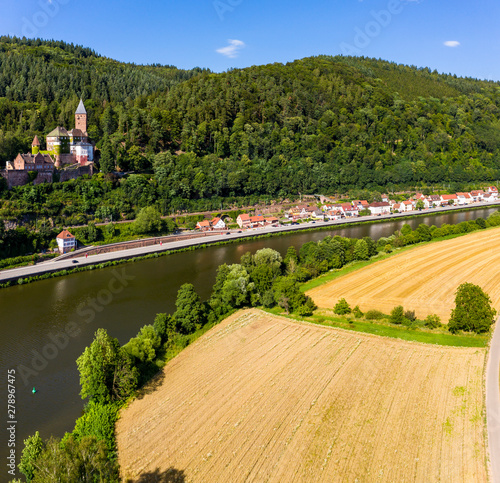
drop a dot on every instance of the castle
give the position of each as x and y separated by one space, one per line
65 149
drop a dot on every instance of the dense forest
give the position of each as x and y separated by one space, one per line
195 139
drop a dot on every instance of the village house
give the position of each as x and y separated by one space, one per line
271 220
243 220
396 207
257 220
348 210
435 200
333 215
464 198
203 225
66 241
361 204
477 195
493 191
318 215
406 205
218 223
213 224
449 200
379 207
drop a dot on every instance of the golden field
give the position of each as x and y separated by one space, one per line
423 279
263 398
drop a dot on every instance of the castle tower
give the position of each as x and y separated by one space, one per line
81 118
35 146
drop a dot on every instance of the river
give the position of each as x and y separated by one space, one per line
38 343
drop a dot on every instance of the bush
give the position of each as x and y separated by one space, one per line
397 315
410 315
357 312
99 421
342 307
307 309
374 315
432 321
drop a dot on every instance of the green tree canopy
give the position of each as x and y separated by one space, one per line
148 220
473 311
106 371
189 315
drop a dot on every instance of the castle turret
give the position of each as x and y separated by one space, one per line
35 146
81 117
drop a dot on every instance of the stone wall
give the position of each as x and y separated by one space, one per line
74 173
20 177
15 177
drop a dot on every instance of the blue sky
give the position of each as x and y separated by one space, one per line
459 37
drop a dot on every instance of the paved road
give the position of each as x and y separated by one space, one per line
54 266
493 403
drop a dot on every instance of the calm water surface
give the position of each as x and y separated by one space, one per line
33 316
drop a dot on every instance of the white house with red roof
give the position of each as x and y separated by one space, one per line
379 207
203 225
406 205
493 191
348 210
243 220
449 199
333 215
464 198
66 241
218 223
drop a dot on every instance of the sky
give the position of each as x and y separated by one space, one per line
452 36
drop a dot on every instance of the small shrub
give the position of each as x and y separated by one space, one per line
410 315
342 307
374 315
388 248
397 315
357 312
432 321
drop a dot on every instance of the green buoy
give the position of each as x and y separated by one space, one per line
33 391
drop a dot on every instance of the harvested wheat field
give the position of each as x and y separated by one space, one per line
262 398
423 279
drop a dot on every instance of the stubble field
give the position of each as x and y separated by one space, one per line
423 279
263 398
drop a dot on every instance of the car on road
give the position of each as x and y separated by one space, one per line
75 261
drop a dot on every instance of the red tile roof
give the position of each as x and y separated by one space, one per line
65 234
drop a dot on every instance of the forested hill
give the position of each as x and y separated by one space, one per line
41 82
316 124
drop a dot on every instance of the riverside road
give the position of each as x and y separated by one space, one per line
58 265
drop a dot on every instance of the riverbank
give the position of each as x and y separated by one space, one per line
47 269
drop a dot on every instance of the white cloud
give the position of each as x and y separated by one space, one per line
233 49
452 43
